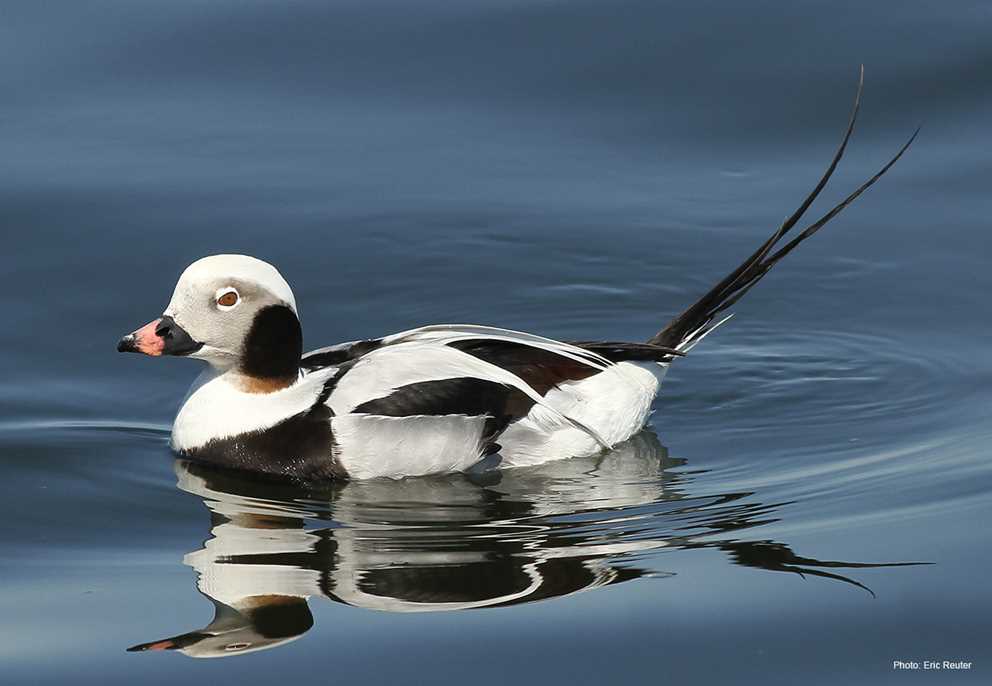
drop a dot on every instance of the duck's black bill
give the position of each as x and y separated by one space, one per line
159 337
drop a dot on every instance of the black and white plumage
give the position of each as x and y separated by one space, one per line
430 400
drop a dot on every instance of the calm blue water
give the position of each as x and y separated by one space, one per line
581 170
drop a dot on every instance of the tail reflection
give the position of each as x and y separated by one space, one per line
465 541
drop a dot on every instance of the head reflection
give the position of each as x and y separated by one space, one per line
478 540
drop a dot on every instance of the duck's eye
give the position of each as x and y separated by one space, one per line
227 299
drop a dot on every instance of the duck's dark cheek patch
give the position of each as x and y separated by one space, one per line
274 345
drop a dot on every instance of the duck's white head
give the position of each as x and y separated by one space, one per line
234 311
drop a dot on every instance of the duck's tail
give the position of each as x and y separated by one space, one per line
707 313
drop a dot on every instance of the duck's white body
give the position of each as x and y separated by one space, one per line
427 401
575 418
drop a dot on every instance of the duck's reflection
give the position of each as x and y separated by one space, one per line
466 541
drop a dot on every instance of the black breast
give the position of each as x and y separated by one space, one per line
299 447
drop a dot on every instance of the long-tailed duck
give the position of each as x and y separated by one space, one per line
431 400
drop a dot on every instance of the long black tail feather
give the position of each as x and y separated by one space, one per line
702 316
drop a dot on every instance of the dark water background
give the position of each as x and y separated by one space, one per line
577 169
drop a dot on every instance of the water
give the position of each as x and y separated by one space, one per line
581 170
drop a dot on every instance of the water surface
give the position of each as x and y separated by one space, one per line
581 170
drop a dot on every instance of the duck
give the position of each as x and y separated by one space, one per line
438 399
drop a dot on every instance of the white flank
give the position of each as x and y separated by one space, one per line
370 446
614 403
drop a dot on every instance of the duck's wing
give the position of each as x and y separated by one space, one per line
455 334
525 350
431 379
465 370
542 361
